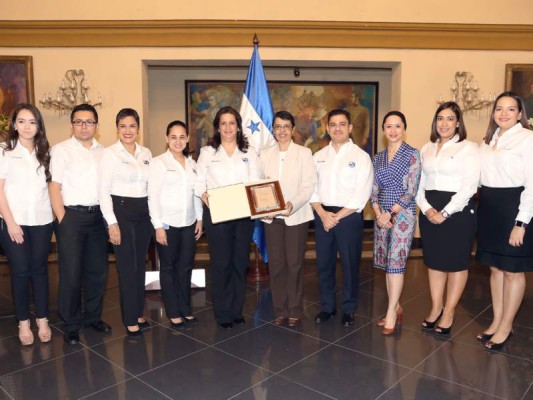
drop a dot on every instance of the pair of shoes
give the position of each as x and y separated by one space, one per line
45 333
347 319
428 325
226 325
440 331
25 333
294 322
497 346
324 316
279 321
135 334
101 326
399 317
178 325
191 319
144 324
239 321
484 337
71 337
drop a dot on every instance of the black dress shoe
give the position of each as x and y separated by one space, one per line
324 316
135 334
71 337
144 325
239 321
101 326
178 325
226 325
347 319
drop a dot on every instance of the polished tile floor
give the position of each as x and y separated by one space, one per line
262 361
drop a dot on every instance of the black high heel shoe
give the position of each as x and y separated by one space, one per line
428 325
440 331
497 346
484 337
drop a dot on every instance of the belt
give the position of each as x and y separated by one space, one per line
85 209
332 209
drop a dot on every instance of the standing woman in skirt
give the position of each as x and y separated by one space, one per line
396 179
123 194
177 219
505 242
26 216
450 177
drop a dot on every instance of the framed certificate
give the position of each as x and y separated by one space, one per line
265 199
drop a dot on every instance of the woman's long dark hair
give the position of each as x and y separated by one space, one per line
460 129
42 147
491 130
242 142
186 150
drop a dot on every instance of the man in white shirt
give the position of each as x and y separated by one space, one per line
80 229
345 177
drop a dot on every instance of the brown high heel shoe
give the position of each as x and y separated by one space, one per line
399 316
25 333
45 333
390 331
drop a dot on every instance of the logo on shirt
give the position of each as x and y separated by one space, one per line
320 161
215 160
245 159
146 162
351 164
171 170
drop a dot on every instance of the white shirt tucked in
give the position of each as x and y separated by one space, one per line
122 174
345 178
454 169
171 192
25 186
510 164
75 167
216 169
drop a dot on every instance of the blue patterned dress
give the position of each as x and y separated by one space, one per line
395 182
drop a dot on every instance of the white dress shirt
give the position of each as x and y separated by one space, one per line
216 169
25 186
345 178
510 165
454 169
75 168
122 174
171 192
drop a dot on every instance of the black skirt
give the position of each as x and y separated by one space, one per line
448 246
498 208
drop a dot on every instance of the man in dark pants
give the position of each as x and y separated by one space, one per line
345 177
80 229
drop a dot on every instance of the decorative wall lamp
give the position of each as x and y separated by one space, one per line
74 90
465 92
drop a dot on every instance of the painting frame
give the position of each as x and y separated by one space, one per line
519 79
308 101
16 82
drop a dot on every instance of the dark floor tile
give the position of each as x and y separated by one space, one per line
473 366
132 389
273 348
4 395
345 374
158 346
258 306
72 376
207 374
279 388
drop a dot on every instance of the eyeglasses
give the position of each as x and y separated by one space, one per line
88 123
282 127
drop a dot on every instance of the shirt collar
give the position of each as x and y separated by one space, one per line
76 142
512 130
122 148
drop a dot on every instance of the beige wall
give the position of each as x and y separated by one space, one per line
452 11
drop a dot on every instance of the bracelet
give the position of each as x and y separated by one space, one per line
520 224
445 214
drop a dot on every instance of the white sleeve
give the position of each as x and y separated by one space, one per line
200 186
105 178
525 209
57 164
155 185
364 182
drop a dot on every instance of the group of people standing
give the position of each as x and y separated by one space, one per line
122 195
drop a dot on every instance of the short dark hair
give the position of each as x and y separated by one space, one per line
461 129
285 115
338 111
128 112
493 125
171 125
242 142
396 113
84 107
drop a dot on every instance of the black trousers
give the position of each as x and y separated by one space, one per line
82 246
29 264
135 232
347 239
175 268
229 252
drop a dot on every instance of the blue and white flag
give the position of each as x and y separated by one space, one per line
257 117
256 107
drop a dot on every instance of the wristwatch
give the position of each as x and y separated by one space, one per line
520 224
445 214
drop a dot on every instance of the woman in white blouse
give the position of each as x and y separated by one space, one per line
450 176
505 242
26 224
228 161
176 215
123 194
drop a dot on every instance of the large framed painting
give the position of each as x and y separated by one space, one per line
309 102
519 79
16 84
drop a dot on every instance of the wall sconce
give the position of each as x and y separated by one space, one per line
74 90
464 90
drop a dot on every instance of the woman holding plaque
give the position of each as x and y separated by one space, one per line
286 235
228 161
